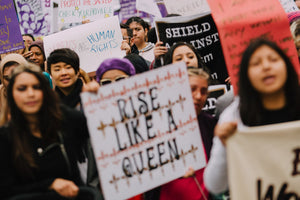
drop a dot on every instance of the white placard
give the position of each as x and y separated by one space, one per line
80 10
144 131
93 42
264 162
187 7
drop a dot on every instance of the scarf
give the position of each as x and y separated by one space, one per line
73 98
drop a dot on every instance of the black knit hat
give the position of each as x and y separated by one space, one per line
65 55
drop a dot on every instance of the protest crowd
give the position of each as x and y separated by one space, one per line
46 145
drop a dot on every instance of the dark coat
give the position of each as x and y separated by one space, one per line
51 162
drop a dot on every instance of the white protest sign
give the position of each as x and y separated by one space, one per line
264 162
148 6
187 7
289 5
79 10
144 131
93 42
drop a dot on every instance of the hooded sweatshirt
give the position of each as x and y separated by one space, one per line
147 52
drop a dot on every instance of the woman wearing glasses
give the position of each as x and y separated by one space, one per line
114 69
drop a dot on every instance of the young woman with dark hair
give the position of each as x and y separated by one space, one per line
269 93
186 52
140 30
42 142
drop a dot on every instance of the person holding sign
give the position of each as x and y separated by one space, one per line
41 144
140 29
191 186
269 93
182 52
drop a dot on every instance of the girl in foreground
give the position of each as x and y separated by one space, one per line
41 143
269 93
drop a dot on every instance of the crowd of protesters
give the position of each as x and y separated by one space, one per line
45 146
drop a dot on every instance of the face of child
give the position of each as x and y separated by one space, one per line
184 53
27 93
139 33
267 71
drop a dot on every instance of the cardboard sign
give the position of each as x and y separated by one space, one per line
201 32
79 10
32 18
239 22
187 7
144 131
10 35
264 162
93 42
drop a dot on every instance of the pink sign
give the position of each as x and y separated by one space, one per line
240 21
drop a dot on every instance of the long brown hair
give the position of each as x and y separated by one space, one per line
49 121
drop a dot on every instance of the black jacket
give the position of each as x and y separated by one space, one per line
51 161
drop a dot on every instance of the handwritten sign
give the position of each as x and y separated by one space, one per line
93 42
144 131
10 35
79 10
264 162
186 7
239 22
201 32
47 6
32 18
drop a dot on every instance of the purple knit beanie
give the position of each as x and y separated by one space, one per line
39 44
122 64
293 16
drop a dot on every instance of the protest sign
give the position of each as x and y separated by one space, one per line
93 42
215 91
47 6
289 5
187 7
264 162
239 22
79 10
144 131
10 35
148 6
201 32
128 9
32 18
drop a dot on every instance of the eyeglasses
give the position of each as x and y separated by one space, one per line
108 81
